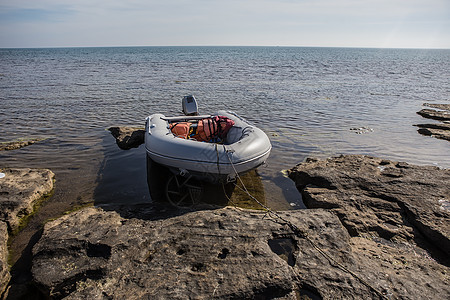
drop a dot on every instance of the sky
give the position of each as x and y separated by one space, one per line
320 23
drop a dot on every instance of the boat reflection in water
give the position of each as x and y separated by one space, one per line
189 192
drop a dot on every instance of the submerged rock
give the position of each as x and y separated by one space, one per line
17 144
128 137
224 254
361 130
441 126
20 189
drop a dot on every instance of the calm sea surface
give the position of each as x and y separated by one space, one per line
305 99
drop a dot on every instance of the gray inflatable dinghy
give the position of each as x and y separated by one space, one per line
245 147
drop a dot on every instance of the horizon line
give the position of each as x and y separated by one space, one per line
243 46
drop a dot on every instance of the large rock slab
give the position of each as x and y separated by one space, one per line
395 201
128 137
19 191
224 254
438 106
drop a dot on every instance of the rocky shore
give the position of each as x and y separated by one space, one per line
21 190
373 229
4 268
441 112
378 198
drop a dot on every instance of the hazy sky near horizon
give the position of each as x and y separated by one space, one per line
334 23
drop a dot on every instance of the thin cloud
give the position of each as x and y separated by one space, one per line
370 23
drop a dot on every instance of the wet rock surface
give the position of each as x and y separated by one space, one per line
128 137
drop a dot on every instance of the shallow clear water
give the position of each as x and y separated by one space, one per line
305 99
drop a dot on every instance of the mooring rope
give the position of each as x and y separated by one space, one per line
297 231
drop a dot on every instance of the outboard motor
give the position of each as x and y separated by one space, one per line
190 106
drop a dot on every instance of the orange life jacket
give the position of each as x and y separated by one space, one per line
180 129
213 129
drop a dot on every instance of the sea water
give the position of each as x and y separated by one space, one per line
309 101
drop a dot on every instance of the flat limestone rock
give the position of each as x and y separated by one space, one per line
391 200
437 130
440 126
128 137
437 133
397 214
19 191
226 253
438 106
435 114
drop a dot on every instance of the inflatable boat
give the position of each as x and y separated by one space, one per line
245 147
